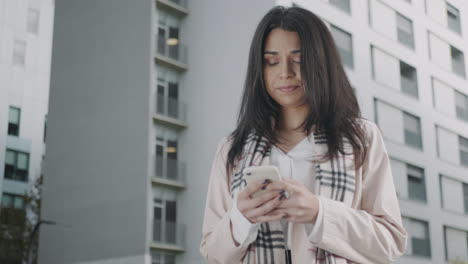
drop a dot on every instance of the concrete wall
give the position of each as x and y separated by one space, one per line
96 180
219 35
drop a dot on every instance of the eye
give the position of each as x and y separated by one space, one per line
297 60
270 62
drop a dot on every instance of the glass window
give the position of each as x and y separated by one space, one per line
13 121
405 31
416 183
12 201
16 165
33 21
408 80
463 144
419 238
344 43
412 127
465 196
19 52
458 61
344 5
461 105
7 200
453 18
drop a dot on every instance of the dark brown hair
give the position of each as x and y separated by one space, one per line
333 107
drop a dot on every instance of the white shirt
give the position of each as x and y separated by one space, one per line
296 164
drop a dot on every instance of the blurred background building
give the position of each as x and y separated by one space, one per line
25 56
142 91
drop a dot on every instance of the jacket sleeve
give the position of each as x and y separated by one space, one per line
217 244
374 233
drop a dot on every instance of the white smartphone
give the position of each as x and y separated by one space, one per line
256 173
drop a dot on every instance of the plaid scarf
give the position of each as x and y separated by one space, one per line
334 180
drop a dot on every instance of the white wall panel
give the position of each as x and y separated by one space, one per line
452 195
390 120
386 69
447 145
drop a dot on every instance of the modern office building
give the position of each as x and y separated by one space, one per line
405 59
25 56
142 91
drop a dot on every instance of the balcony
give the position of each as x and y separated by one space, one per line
168 236
170 172
179 7
172 53
170 111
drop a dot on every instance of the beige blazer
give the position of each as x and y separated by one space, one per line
370 231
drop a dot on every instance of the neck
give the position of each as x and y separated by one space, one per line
291 118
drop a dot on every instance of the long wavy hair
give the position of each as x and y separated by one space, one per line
333 107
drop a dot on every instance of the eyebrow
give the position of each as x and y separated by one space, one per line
276 53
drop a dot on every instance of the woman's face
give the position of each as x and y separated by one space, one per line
282 68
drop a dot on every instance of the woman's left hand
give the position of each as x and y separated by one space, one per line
300 205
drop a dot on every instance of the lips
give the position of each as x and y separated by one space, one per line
289 88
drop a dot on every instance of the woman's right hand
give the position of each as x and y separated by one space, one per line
261 205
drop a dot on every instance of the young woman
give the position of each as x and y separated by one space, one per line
336 202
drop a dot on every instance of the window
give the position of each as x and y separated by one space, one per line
168 103
419 238
412 127
344 5
166 159
166 229
416 183
456 245
33 21
168 41
461 105
408 80
13 121
12 201
465 196
405 31
344 44
453 18
16 165
19 52
162 257
458 61
463 144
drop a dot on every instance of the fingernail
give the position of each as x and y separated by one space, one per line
266 181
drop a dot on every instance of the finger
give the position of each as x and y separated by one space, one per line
265 208
289 203
276 186
248 204
270 218
253 187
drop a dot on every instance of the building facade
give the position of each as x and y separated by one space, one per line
25 56
141 94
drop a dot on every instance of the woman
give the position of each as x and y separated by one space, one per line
336 202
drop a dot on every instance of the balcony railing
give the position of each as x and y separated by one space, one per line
170 107
170 169
169 233
177 52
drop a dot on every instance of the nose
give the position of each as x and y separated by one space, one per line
286 69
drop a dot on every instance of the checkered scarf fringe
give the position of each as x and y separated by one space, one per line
334 179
